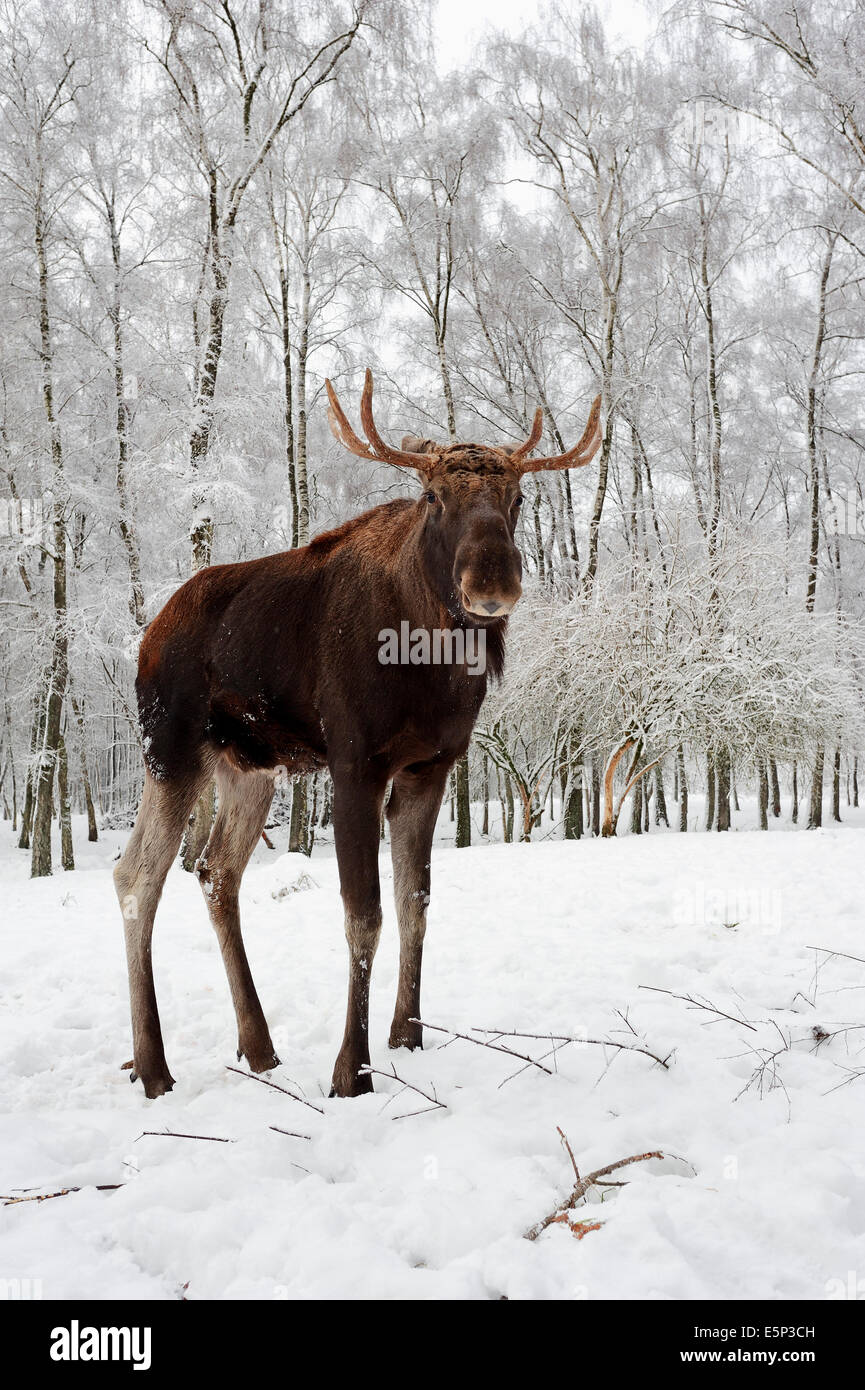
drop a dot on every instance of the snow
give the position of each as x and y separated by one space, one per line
761 1193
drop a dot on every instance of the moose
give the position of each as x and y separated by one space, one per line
274 664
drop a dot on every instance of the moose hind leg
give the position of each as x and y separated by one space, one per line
244 801
412 812
139 877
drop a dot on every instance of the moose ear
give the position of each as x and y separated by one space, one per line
415 445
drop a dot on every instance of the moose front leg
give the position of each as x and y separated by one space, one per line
412 812
357 830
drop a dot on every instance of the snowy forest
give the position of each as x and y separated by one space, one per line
210 206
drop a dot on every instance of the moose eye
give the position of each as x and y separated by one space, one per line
431 497
518 502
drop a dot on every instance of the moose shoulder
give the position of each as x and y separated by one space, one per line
276 663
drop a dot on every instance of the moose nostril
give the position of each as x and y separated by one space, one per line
493 606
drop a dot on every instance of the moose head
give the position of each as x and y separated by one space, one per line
470 505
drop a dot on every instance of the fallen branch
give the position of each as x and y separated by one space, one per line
170 1134
826 951
582 1186
699 1004
551 1052
434 1102
64 1192
853 1074
566 1038
290 1132
250 1076
478 1042
766 1076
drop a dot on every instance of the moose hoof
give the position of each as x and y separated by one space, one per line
155 1083
408 1035
349 1081
259 1058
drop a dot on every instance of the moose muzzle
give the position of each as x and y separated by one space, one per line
488 571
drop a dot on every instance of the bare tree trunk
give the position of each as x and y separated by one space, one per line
637 809
464 819
12 768
327 803
836 786
485 826
611 812
66 852
611 309
723 800
660 798
596 798
776 789
57 672
815 812
313 813
301 461
710 791
126 521
29 789
287 381
297 828
794 813
572 813
763 794
92 831
706 303
683 788
812 432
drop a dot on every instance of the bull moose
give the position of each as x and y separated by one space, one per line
274 664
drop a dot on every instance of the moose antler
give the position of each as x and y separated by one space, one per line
581 454
519 453
376 449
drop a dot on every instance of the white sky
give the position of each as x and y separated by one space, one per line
460 23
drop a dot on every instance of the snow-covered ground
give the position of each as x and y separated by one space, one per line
762 1192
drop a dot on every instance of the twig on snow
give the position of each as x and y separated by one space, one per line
434 1102
170 1134
478 1042
565 1038
264 1082
826 951
582 1186
701 1004
64 1192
